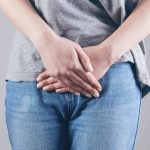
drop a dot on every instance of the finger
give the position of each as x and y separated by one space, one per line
82 84
72 85
62 90
45 82
89 78
84 59
59 87
42 76
53 86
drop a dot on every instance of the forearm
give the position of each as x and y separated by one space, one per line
25 18
134 29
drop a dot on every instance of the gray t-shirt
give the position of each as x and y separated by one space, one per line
87 22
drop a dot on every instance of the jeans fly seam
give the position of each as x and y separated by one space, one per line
69 103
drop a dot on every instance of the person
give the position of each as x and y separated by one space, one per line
76 73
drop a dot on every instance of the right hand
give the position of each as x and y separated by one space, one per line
67 62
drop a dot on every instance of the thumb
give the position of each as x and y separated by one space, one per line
84 59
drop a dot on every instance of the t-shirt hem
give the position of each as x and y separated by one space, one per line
31 76
22 76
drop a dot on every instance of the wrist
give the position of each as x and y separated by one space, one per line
44 37
111 52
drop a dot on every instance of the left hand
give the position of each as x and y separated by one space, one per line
101 60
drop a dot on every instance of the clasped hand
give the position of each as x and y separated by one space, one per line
66 66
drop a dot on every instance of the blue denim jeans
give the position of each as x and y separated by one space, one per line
42 120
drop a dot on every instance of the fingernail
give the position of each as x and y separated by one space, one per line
90 68
57 91
39 85
98 98
45 88
78 94
38 79
99 89
88 95
96 94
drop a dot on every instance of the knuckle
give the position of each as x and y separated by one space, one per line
43 83
90 80
65 73
92 91
79 89
78 69
52 86
92 83
72 66
57 74
54 74
83 84
87 88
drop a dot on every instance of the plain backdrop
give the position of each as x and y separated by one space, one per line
6 35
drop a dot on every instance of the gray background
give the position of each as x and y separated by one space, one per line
6 35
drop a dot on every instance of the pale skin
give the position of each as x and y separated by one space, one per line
73 67
77 77
133 30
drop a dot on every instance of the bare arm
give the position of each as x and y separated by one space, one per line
73 62
25 18
134 29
